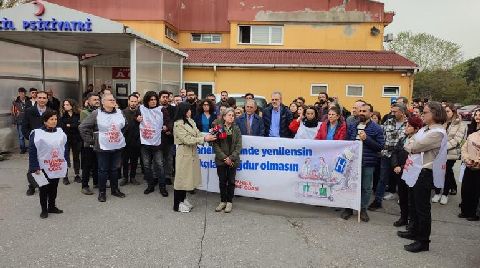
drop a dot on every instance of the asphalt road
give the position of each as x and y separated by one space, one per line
143 231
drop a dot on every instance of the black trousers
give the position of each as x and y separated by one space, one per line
420 206
89 166
402 196
450 182
178 197
226 178
130 157
48 194
76 147
470 192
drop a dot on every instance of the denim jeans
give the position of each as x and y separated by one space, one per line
385 173
108 165
152 157
367 179
167 161
21 139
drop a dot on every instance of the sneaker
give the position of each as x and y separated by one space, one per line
149 190
374 206
77 179
183 208
30 191
86 191
123 182
55 210
389 196
43 215
117 193
444 200
346 214
163 191
436 198
66 181
187 203
364 216
220 206
228 207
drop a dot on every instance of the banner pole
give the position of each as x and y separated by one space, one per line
360 172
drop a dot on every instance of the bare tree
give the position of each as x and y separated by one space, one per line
12 3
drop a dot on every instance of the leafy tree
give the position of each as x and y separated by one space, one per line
428 51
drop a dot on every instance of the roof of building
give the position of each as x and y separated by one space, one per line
302 58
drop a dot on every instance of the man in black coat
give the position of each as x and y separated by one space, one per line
167 135
33 120
131 152
277 117
53 103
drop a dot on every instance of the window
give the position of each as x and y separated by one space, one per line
391 91
354 91
316 89
171 34
206 38
202 89
260 35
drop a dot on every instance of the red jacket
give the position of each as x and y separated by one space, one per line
340 131
294 125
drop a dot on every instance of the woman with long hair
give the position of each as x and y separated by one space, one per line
205 115
227 158
48 155
69 123
471 177
187 163
456 131
306 125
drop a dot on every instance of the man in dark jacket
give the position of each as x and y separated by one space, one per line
131 152
371 135
277 117
33 120
19 105
53 103
167 135
250 123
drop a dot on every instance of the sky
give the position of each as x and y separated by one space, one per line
453 20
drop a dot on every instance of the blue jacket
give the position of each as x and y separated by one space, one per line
257 127
285 118
198 121
33 164
372 145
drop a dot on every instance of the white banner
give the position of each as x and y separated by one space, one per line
325 173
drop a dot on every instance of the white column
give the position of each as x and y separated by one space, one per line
133 66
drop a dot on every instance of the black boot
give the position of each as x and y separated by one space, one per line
44 214
102 197
417 246
116 192
150 189
30 191
133 181
66 181
406 234
400 222
55 210
364 216
163 191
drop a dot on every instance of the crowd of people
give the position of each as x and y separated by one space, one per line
410 151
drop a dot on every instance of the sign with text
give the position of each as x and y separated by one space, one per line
326 173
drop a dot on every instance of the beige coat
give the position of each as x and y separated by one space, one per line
471 148
456 135
187 163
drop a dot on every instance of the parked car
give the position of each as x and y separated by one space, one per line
466 111
240 100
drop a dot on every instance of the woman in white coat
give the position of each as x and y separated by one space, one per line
187 163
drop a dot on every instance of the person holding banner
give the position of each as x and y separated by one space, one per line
371 136
334 128
424 168
48 154
399 157
227 158
306 125
187 163
151 126
103 129
471 176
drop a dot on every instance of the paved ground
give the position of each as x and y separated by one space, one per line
144 231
